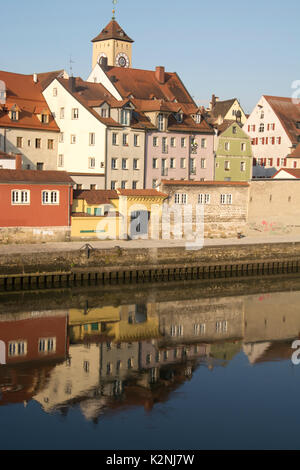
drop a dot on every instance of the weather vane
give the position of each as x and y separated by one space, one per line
114 11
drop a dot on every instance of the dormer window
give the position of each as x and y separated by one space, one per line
14 115
104 112
125 117
262 114
198 118
179 117
298 125
160 122
45 118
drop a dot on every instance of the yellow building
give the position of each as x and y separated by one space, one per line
88 322
133 213
114 45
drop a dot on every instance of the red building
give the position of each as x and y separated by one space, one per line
35 199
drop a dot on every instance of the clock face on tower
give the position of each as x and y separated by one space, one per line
122 60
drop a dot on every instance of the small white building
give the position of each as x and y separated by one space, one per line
274 129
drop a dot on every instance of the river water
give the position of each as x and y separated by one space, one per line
181 366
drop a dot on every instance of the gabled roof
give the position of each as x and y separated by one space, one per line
221 108
34 176
295 172
112 31
288 112
295 153
22 91
46 78
143 85
94 196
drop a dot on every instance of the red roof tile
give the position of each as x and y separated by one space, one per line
204 183
295 153
22 91
94 196
141 192
143 85
34 176
288 111
292 171
112 31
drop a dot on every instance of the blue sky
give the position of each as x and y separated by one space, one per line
233 49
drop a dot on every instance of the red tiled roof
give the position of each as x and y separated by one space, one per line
143 85
288 111
204 183
94 196
6 156
292 171
141 192
46 78
112 31
22 91
295 153
34 176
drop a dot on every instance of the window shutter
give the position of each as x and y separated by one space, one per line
285 162
268 127
254 161
279 140
264 162
248 128
267 140
263 141
271 161
256 141
278 161
254 128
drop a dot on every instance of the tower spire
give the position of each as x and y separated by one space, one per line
114 11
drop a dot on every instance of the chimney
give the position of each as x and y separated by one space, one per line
160 75
35 78
72 84
104 63
18 161
213 102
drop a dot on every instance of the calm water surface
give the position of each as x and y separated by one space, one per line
134 370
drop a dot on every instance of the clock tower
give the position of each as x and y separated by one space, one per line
114 44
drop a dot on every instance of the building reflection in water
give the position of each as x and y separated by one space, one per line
107 358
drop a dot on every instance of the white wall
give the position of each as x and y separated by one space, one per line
76 156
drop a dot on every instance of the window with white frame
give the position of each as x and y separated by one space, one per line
183 142
160 122
135 163
47 345
19 197
154 163
61 138
203 198
124 163
173 142
261 127
203 143
92 138
227 165
62 113
243 166
125 117
50 197
243 147
60 161
113 163
180 198
73 139
172 163
136 140
203 163
227 146
221 326
92 162
125 139
199 329
115 138
17 348
226 199
54 91
182 163
155 141
75 113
